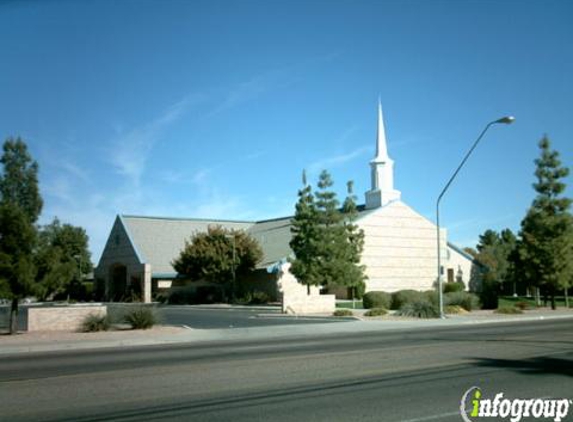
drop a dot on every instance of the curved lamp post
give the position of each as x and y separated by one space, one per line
504 120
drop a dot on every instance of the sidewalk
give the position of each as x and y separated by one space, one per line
62 341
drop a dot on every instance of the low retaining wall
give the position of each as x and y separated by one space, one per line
61 318
297 300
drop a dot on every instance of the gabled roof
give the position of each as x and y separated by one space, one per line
274 237
159 240
465 254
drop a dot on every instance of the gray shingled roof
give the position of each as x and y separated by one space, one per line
159 240
274 237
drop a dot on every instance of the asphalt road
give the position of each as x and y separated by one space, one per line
414 376
208 318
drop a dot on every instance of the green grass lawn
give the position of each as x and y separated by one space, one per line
511 301
348 304
504 301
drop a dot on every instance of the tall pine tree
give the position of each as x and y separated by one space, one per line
305 237
326 243
354 274
330 247
546 245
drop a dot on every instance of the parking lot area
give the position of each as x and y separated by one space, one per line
209 318
202 317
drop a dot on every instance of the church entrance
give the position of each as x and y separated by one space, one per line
117 283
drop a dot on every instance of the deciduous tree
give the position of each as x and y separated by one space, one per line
21 205
62 258
209 256
493 252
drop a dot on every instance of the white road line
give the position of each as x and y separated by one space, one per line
433 417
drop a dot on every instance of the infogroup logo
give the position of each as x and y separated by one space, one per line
474 406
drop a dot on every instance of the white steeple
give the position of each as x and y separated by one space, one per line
382 171
381 149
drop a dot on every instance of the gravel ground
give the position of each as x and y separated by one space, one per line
119 334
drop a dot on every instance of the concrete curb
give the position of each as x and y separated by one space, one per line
310 317
275 332
219 307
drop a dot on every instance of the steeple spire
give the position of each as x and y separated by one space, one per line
381 148
382 170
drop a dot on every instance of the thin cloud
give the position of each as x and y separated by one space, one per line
470 222
265 82
200 176
75 170
58 188
249 90
131 150
338 160
252 156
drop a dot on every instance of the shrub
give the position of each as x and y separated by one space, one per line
419 309
454 310
522 305
508 310
453 287
161 297
140 317
254 298
95 322
466 300
259 298
358 291
376 312
191 295
244 299
209 294
343 312
376 299
489 296
402 297
432 297
181 297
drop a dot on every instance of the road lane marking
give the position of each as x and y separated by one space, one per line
431 418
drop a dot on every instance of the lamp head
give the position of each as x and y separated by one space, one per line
506 120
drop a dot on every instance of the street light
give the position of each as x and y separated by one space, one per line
504 120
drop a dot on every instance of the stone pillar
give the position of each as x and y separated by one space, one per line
146 283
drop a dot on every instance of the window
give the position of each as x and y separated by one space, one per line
450 275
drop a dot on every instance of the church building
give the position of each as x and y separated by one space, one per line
400 245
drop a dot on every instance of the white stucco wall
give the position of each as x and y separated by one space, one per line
400 250
457 261
295 297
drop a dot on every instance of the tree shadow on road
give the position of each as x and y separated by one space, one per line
542 365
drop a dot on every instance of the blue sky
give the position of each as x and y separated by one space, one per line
213 108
